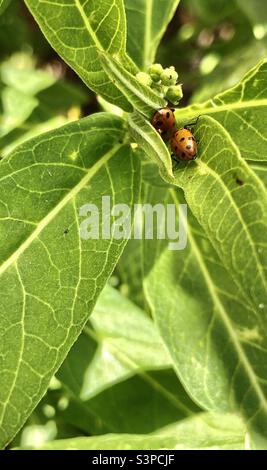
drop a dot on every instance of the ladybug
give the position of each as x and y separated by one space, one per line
183 144
164 121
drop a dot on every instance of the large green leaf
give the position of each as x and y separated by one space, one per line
147 21
217 342
141 97
206 431
77 29
242 110
230 203
49 277
214 322
216 339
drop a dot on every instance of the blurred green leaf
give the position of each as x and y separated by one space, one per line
139 404
117 355
208 431
261 171
230 70
19 72
17 107
3 5
33 101
255 10
124 348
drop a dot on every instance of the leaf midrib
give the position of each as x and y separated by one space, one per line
188 112
87 24
147 35
135 369
51 215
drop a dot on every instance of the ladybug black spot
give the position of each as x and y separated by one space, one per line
168 115
182 139
159 123
183 154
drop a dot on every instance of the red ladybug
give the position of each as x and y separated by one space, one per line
164 121
183 144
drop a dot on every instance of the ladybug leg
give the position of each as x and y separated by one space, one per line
192 123
176 162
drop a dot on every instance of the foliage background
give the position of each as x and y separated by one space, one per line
152 371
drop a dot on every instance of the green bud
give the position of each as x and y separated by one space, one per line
174 93
169 76
155 72
159 89
144 78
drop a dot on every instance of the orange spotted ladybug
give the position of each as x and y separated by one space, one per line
183 144
164 121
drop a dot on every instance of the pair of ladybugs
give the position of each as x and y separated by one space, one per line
182 141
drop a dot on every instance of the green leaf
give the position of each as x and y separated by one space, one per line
230 203
210 12
216 340
17 107
242 110
33 101
255 10
141 97
261 171
3 5
123 348
214 323
147 21
51 277
136 398
207 431
19 73
121 356
139 255
149 140
77 30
